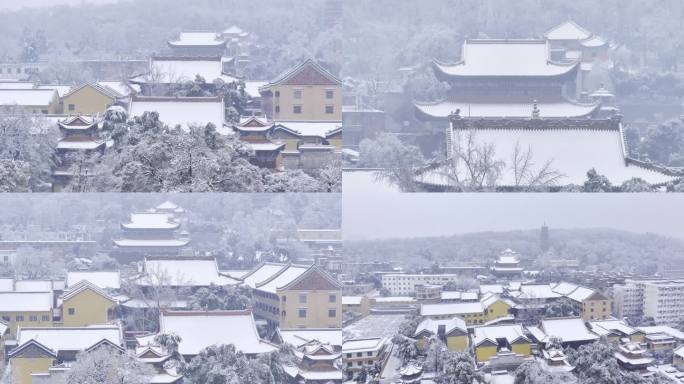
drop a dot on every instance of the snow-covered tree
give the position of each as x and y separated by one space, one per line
562 307
398 161
435 355
15 176
222 364
636 184
106 365
170 342
459 368
219 297
531 372
26 143
596 182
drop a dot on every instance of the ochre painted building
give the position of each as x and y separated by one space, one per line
89 99
452 332
25 309
29 358
595 307
314 300
489 340
85 304
306 92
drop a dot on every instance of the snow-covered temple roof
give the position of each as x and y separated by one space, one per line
178 69
201 329
505 58
151 221
183 111
572 146
315 75
156 243
431 326
282 279
101 279
511 333
310 128
562 108
197 39
567 30
571 329
29 97
299 337
183 271
25 301
262 273
71 338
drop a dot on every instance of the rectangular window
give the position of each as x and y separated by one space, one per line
277 108
332 313
7 319
302 299
19 318
297 93
284 299
72 107
46 318
332 298
329 109
302 313
329 93
297 109
72 311
277 93
33 318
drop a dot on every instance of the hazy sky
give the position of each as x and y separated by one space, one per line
17 4
417 215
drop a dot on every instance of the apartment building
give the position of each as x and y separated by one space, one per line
664 301
661 299
404 284
628 299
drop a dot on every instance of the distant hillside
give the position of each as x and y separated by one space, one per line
604 248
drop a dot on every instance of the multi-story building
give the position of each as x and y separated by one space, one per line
428 292
360 354
79 136
507 264
404 284
664 301
512 94
592 304
90 99
295 296
628 299
489 308
26 309
661 299
149 233
306 92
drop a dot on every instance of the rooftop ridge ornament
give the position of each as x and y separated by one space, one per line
455 115
535 109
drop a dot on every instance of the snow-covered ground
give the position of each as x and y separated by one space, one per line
365 182
373 326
